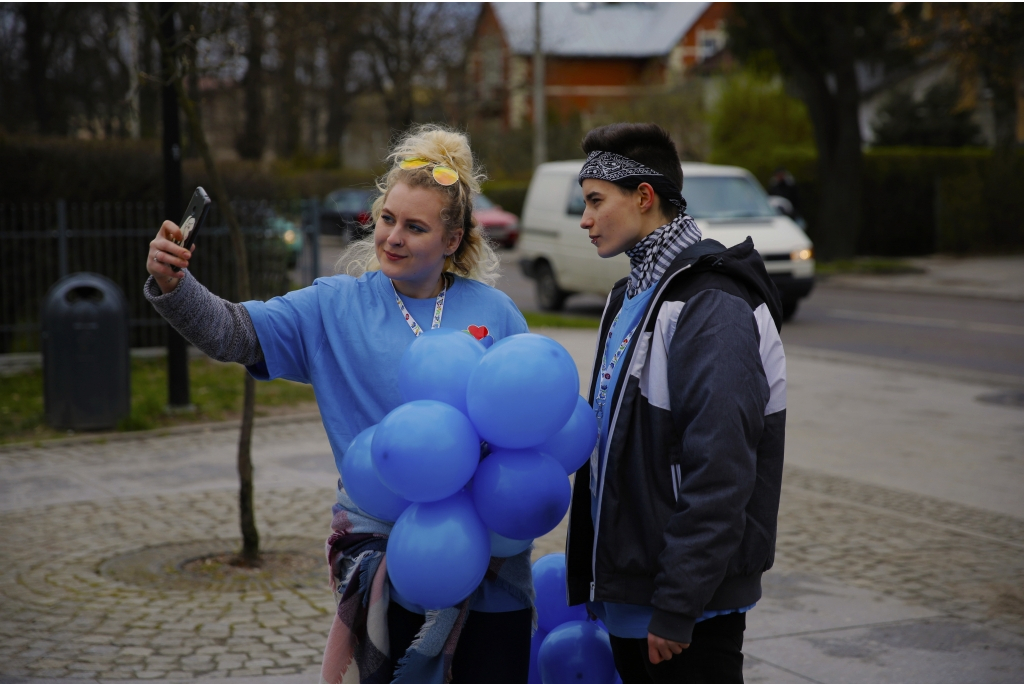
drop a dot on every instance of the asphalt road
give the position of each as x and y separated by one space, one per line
965 333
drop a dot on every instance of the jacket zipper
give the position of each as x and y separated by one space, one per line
590 395
611 431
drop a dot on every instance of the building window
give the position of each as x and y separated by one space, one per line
492 75
709 43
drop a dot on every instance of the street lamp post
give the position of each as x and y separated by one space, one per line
177 350
540 133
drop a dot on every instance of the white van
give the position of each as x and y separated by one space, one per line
727 203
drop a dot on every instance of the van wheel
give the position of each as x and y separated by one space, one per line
789 305
550 297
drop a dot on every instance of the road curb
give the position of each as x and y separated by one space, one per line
997 380
853 283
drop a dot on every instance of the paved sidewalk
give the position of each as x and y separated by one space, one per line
998 278
900 549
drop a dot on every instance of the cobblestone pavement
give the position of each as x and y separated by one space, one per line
67 511
62 618
961 561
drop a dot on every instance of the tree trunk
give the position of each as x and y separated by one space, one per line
37 58
817 47
840 173
250 536
291 89
399 104
247 511
149 102
338 104
832 103
839 212
253 139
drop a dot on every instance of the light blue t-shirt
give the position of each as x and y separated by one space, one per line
628 318
345 336
625 620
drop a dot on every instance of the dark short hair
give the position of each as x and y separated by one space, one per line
649 144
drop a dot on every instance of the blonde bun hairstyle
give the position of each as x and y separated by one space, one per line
474 257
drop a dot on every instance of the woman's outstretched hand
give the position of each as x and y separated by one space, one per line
165 253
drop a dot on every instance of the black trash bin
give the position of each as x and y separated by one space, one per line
86 367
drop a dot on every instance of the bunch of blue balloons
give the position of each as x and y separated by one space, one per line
475 464
567 647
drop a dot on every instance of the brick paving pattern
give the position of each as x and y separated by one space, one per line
63 617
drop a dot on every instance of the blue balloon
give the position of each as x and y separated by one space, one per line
577 652
535 642
438 552
549 582
437 365
573 444
425 450
521 494
522 391
507 547
362 483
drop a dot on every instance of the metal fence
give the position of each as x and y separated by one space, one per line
42 242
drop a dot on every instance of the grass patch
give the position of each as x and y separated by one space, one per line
542 319
216 393
876 266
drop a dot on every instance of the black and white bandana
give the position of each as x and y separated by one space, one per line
629 173
652 255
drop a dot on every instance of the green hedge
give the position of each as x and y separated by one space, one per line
48 169
916 200
924 200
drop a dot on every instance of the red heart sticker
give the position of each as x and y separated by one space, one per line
478 332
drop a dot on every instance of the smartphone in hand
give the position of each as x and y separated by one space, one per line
194 217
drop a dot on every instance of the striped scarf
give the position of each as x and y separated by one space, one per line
357 647
651 256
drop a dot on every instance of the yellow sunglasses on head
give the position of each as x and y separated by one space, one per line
444 175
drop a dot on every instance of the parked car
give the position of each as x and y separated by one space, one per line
727 203
500 226
346 211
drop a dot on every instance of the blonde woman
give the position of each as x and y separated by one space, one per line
425 266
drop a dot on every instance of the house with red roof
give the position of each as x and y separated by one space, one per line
594 53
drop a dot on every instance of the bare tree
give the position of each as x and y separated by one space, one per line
288 31
64 67
341 22
984 42
410 46
251 142
178 66
818 48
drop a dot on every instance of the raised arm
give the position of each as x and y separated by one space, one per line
221 329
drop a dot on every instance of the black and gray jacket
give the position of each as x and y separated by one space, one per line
689 494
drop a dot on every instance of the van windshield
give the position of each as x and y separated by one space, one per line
725 197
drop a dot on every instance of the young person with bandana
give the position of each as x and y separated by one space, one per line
426 265
673 519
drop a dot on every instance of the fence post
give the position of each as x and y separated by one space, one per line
62 238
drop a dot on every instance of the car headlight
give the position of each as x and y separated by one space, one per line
289 236
802 255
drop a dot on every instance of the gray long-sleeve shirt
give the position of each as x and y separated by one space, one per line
221 329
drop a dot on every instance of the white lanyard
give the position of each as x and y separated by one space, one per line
601 398
438 309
